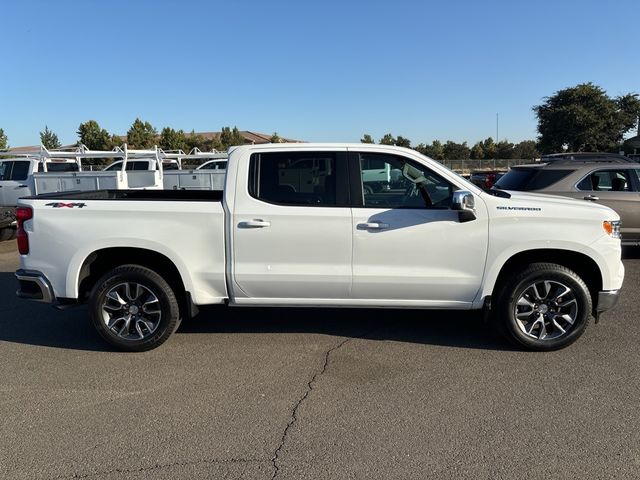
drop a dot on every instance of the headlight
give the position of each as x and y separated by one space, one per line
612 227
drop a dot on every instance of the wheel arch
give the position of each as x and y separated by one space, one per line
103 260
582 264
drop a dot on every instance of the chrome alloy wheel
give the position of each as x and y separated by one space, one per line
131 311
546 310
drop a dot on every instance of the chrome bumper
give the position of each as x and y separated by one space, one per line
34 286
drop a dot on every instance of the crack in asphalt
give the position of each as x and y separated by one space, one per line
294 412
163 465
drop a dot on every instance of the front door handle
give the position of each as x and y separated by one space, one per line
592 198
373 226
256 223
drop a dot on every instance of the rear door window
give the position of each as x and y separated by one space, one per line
607 181
20 170
297 178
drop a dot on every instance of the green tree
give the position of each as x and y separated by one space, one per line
526 150
275 138
4 142
477 152
585 118
403 142
456 151
367 139
435 150
388 139
49 139
116 141
504 149
489 147
229 138
141 134
171 139
95 138
194 140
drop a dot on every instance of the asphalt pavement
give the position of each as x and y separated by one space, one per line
315 394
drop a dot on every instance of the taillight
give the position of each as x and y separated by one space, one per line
22 215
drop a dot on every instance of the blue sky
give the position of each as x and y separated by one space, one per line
317 71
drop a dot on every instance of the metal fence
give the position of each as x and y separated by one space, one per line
469 165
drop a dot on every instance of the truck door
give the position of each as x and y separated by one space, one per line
292 228
14 183
5 174
408 245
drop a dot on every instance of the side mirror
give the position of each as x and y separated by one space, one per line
465 203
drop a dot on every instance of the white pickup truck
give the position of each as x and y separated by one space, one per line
294 226
17 176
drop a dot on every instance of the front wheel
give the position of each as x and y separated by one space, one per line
134 309
545 307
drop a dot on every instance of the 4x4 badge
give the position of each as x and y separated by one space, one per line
65 205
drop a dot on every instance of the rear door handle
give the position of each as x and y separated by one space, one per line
592 198
373 226
254 224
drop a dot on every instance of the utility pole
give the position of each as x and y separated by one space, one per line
497 131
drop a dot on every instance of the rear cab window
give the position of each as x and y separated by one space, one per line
526 179
62 167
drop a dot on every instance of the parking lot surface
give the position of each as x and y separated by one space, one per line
313 394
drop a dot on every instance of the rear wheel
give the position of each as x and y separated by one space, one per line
545 307
134 309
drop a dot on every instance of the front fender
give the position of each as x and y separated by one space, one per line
605 252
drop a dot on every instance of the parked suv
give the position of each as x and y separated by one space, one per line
609 179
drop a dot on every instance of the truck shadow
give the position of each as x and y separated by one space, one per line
429 327
32 323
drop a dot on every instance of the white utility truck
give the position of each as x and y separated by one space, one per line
294 225
17 180
209 175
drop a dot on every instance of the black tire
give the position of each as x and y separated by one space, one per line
519 286
7 233
154 288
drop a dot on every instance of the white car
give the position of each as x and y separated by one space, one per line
295 226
